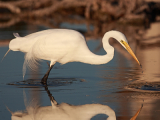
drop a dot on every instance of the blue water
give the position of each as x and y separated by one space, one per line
104 84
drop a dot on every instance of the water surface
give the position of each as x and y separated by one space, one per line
114 84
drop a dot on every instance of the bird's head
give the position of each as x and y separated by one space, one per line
120 37
14 44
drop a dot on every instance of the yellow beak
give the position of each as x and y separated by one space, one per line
128 48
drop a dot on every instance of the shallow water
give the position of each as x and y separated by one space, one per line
118 84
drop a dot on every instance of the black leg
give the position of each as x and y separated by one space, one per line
45 77
50 95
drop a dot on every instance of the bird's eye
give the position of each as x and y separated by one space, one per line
122 42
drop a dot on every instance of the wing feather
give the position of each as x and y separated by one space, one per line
31 61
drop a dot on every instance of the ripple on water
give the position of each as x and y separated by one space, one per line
144 87
50 82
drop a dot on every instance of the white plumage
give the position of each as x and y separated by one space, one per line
63 46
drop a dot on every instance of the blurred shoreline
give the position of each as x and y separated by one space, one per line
133 18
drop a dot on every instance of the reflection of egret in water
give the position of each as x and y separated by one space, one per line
63 46
63 111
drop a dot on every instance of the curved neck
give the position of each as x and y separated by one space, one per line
86 56
90 110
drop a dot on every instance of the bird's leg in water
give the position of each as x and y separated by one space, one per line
50 95
45 77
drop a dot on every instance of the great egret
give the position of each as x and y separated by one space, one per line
63 46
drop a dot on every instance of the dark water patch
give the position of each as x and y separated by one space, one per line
124 92
32 83
144 87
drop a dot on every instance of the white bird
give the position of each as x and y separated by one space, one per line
64 111
63 46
